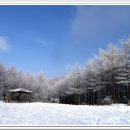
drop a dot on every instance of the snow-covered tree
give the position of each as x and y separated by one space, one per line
3 81
93 78
111 59
12 79
125 68
29 81
42 86
74 83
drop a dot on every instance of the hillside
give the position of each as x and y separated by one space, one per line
52 81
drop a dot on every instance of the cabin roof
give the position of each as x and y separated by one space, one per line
20 90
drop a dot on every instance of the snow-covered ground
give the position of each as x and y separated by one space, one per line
59 114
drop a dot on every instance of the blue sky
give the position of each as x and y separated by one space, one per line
54 38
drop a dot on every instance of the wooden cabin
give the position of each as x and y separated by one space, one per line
18 95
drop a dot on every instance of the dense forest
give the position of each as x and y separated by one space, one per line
105 79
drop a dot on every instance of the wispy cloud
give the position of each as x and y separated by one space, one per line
4 46
41 41
99 21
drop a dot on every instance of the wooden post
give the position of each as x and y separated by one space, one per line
19 97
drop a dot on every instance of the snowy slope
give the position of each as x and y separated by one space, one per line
58 114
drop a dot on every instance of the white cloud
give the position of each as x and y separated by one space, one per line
4 46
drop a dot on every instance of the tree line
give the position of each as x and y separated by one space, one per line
104 79
11 78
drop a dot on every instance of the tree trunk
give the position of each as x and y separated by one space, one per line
113 88
129 95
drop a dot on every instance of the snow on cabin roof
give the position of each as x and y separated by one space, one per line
20 90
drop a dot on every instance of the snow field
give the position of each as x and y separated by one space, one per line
59 114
